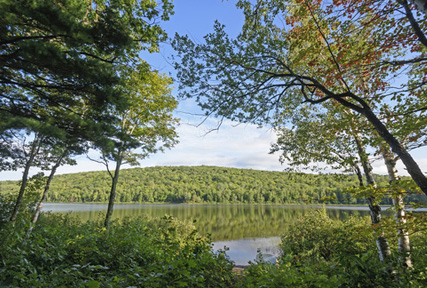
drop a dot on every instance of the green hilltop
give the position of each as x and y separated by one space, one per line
203 184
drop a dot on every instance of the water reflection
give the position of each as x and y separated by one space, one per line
242 228
244 250
223 222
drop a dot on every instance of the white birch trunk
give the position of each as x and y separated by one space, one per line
383 246
400 215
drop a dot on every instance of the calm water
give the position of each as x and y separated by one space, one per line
243 229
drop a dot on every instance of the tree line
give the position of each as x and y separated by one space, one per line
207 184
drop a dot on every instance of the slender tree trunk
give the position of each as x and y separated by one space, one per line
383 246
359 175
115 179
46 190
400 216
409 162
31 156
421 6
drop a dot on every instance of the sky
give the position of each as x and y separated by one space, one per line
233 144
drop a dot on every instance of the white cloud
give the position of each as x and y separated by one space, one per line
239 146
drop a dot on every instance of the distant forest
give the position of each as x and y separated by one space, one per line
206 184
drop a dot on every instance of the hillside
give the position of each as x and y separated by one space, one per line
201 184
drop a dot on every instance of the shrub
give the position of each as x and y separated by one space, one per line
316 237
142 252
320 252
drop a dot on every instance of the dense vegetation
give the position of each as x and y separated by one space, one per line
204 184
321 252
322 73
63 252
85 86
317 251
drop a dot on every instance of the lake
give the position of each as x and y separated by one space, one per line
243 229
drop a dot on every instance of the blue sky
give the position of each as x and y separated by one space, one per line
233 145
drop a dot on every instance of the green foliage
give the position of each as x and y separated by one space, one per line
147 125
202 184
320 252
205 184
65 69
316 237
263 274
57 55
164 252
6 208
317 138
293 55
143 252
29 200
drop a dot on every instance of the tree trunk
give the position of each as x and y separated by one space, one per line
359 175
409 162
33 152
115 179
383 246
46 190
403 240
421 6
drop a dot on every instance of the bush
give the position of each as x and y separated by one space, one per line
320 252
263 274
316 252
143 252
6 208
317 238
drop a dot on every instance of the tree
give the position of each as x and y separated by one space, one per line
147 125
30 143
29 152
39 147
272 68
24 153
318 138
60 56
56 53
400 214
61 62
59 153
338 144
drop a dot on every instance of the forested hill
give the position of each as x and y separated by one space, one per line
201 184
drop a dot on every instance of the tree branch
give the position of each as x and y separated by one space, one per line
327 45
414 24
